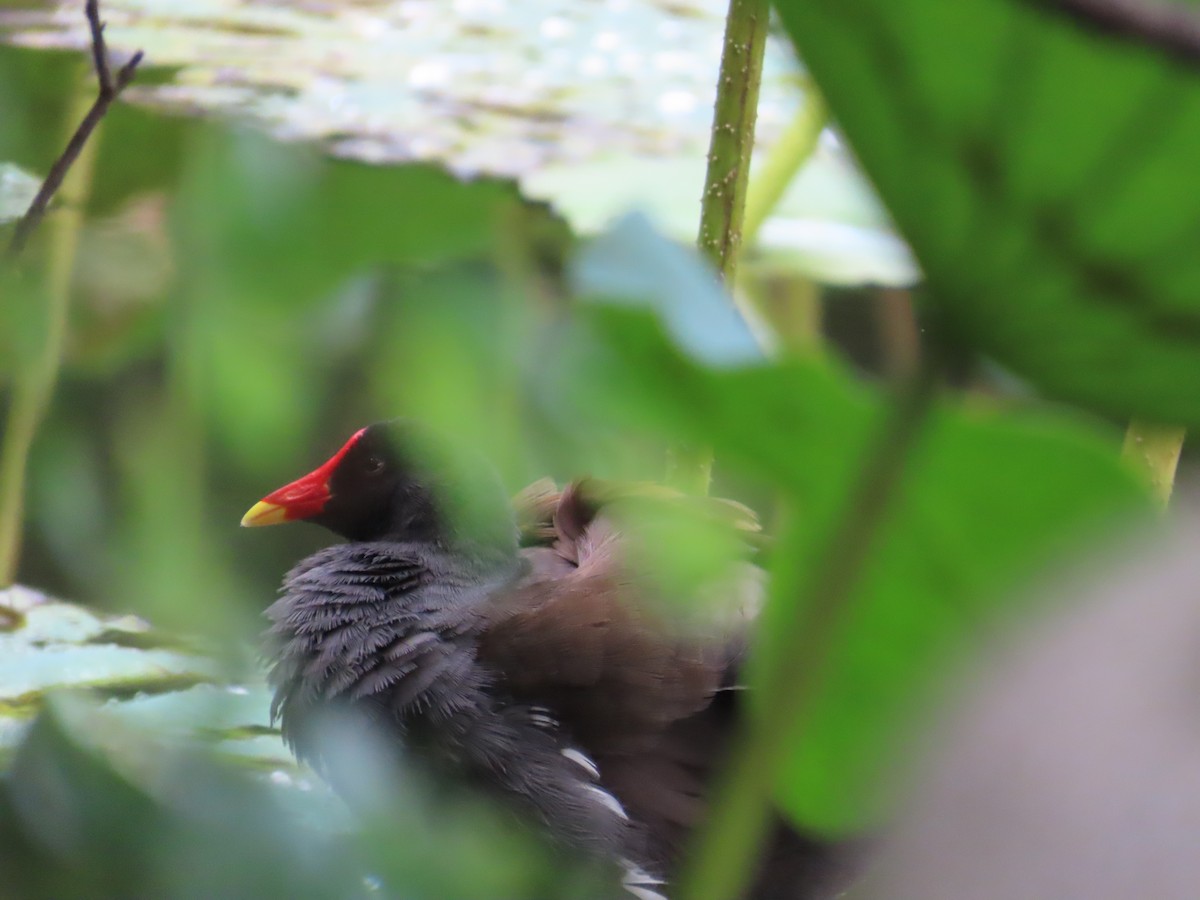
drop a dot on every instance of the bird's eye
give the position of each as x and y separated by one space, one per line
374 465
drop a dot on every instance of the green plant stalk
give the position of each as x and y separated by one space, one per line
33 389
788 155
722 205
788 310
1153 450
792 309
725 854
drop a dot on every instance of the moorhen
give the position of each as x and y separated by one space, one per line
541 673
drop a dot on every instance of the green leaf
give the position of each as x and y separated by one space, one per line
286 225
91 809
632 264
986 503
94 808
1040 171
988 497
280 250
52 643
36 96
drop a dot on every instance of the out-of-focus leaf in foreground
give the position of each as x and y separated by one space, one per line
1038 169
986 499
94 808
1066 767
89 809
632 262
276 238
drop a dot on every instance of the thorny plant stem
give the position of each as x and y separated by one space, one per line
723 202
725 854
1154 451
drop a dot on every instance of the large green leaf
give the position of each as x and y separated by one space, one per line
1044 175
986 498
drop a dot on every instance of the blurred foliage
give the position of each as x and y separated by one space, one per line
240 306
986 499
94 808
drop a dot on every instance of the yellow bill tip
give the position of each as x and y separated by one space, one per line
264 513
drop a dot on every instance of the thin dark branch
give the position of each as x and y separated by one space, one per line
109 91
1173 28
99 51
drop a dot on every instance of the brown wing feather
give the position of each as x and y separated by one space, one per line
652 705
577 634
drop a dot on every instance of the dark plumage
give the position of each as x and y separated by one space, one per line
542 674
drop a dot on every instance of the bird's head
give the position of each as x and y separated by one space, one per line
396 481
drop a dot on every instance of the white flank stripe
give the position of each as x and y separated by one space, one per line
582 761
608 800
644 893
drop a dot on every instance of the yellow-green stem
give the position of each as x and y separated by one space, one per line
794 148
33 388
1153 450
790 310
723 203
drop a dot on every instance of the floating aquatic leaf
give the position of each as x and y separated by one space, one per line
596 108
53 646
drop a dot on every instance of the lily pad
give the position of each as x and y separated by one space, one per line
483 86
595 108
233 717
61 645
148 682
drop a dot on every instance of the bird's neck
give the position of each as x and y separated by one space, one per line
488 552
485 546
478 525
